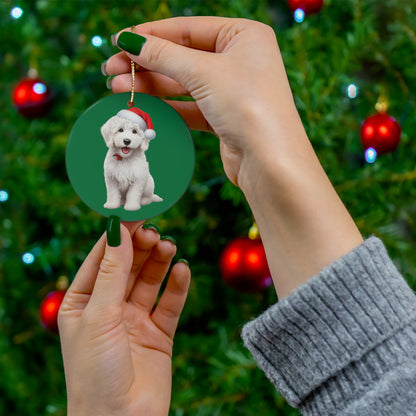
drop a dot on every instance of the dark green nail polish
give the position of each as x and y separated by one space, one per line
114 39
150 227
104 69
131 42
184 261
113 231
168 237
108 82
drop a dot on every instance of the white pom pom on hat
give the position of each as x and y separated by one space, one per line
142 119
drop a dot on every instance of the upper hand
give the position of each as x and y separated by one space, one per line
231 67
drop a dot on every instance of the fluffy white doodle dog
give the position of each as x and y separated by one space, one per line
126 170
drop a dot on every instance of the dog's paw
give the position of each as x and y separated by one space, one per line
132 207
111 205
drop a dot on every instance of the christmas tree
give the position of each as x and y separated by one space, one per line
341 60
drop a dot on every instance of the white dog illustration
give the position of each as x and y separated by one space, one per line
126 170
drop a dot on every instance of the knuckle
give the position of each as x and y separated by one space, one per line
156 51
264 29
268 30
107 269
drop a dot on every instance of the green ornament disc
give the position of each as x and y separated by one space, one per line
170 155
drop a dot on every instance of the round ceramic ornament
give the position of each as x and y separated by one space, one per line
133 160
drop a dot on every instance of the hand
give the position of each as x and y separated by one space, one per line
234 71
117 352
231 67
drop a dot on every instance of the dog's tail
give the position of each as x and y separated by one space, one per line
156 198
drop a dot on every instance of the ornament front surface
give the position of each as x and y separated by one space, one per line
131 162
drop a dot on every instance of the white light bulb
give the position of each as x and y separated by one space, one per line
4 195
370 155
16 12
97 41
28 258
299 15
352 91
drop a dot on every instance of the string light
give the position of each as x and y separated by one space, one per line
4 195
39 88
370 155
16 13
28 258
97 41
352 91
299 15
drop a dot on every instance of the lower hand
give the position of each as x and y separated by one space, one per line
116 347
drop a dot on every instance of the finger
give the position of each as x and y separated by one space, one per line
160 55
111 283
199 32
152 273
169 308
192 115
117 64
84 280
132 226
144 240
149 83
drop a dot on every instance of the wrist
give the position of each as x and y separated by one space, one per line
271 155
303 224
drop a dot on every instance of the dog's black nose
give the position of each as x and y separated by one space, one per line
126 142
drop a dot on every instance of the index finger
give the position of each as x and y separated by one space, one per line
197 32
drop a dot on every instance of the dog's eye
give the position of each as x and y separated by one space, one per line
134 131
120 130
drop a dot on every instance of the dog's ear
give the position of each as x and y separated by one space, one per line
145 145
107 131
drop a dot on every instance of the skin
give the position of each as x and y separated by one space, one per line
117 352
234 70
117 358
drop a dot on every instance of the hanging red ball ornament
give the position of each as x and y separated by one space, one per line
244 266
380 132
49 309
308 6
32 98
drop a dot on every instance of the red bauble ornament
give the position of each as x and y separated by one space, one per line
49 310
308 6
381 132
244 266
32 98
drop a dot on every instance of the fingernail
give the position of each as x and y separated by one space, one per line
131 42
104 69
114 39
150 227
183 261
113 231
168 237
108 82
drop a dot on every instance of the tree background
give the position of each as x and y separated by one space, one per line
366 42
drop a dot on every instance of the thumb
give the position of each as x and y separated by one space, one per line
180 63
110 286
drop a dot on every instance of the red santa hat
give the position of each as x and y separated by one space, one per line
142 119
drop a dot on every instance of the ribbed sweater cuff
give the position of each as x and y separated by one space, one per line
340 327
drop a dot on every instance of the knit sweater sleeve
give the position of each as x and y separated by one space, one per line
344 343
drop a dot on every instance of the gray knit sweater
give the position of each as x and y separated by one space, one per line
345 342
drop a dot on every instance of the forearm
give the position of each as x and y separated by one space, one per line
303 223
